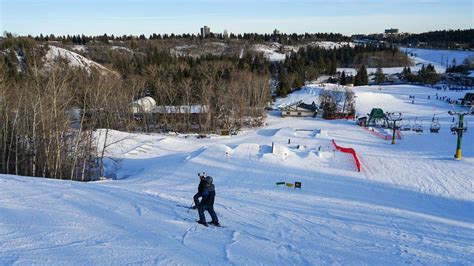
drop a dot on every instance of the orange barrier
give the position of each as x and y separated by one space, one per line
348 150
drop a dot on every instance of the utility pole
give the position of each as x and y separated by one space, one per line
394 117
459 129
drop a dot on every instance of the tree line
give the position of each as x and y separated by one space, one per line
310 62
283 38
449 39
426 75
50 116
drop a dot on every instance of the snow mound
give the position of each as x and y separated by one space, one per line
216 151
307 94
122 49
271 52
79 48
268 132
282 151
74 59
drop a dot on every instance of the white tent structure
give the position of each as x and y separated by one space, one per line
143 105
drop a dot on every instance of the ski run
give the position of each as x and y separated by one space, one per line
412 202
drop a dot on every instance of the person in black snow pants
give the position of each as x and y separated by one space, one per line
201 186
207 203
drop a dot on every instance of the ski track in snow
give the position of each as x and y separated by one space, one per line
412 203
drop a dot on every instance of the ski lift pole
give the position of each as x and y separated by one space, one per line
393 135
394 117
460 129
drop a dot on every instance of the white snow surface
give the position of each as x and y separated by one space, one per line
422 57
270 51
412 203
74 59
121 48
332 45
439 57
278 52
307 94
80 48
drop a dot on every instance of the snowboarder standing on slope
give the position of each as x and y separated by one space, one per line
202 184
207 203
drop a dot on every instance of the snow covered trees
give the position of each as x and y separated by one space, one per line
328 104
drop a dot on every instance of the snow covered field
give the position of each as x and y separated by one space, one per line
411 203
439 57
420 57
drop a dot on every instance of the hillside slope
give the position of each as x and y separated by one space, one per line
74 59
411 203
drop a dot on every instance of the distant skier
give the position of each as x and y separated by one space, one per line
207 203
202 184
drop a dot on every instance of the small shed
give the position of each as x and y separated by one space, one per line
143 105
300 109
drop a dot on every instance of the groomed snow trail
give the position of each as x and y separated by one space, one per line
412 202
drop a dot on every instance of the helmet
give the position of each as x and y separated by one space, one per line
209 179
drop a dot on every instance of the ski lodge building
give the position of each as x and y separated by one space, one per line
299 109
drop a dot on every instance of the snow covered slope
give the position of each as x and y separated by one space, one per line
420 57
74 59
307 94
271 52
442 58
332 45
412 202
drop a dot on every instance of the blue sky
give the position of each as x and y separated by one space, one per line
187 16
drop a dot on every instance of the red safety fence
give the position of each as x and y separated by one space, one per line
398 135
348 117
348 150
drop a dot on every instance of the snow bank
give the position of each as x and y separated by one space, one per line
271 52
74 60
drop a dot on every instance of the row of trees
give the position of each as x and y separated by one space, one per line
311 62
443 39
336 102
50 116
257 37
427 75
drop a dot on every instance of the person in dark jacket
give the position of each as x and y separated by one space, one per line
201 186
207 203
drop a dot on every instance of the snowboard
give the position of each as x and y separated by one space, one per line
211 225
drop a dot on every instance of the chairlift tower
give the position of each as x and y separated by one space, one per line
394 117
459 129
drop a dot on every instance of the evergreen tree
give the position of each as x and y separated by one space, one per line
364 76
333 69
361 77
343 78
379 76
